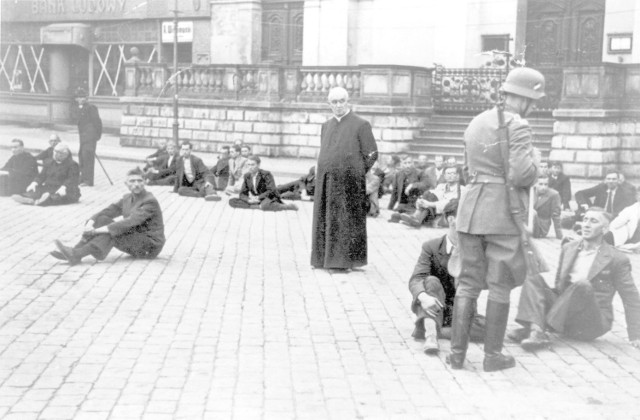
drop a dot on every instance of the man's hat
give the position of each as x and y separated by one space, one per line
524 81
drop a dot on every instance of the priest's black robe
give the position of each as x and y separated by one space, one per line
347 151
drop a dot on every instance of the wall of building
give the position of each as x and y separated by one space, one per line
488 18
284 130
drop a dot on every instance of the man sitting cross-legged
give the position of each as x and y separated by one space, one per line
193 178
164 173
57 183
589 274
258 190
237 169
427 210
401 194
433 288
139 233
21 166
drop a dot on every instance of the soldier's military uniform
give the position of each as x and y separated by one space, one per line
489 239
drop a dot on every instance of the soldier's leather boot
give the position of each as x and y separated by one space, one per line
497 315
463 310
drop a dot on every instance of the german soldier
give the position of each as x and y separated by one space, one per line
501 166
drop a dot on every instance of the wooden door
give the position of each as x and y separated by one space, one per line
561 32
282 24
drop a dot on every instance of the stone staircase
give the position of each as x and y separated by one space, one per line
443 135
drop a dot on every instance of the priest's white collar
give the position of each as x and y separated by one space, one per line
343 115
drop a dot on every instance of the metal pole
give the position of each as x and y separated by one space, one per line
175 73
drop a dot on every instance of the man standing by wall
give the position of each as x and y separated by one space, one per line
90 131
347 151
491 253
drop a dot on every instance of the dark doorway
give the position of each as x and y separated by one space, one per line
282 23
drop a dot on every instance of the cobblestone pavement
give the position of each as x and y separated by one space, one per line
231 322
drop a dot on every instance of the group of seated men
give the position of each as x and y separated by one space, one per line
56 183
237 173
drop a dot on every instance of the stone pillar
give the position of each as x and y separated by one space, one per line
326 32
596 128
59 81
59 70
236 31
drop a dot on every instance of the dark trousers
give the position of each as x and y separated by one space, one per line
434 288
221 182
194 189
265 205
136 244
154 179
54 199
17 183
574 313
86 160
494 262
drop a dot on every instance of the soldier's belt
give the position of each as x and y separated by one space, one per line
486 179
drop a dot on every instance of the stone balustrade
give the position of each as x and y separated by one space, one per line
383 85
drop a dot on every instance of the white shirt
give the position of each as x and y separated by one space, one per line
582 265
188 171
343 115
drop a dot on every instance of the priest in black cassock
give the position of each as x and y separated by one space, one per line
347 152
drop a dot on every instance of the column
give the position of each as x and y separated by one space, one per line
326 32
59 81
236 31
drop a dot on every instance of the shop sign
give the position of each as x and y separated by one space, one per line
185 31
83 7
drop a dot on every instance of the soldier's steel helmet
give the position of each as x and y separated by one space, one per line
525 82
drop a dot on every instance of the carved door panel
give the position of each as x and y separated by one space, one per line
282 25
564 32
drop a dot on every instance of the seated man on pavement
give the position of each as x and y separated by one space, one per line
546 209
139 233
164 173
561 183
237 168
57 183
154 159
624 231
433 288
607 195
432 203
428 177
404 178
48 152
193 179
258 190
21 166
221 169
292 190
580 307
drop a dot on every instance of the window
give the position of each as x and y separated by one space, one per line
495 42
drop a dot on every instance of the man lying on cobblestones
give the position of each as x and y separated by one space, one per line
139 233
193 178
258 190
589 274
433 289
57 183
292 190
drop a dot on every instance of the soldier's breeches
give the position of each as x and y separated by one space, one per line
493 262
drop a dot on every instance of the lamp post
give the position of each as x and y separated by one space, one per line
175 73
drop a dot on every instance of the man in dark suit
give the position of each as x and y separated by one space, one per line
406 201
193 178
429 176
258 190
155 159
21 166
546 209
89 131
607 195
139 233
291 190
589 274
47 153
433 288
221 169
561 183
164 172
